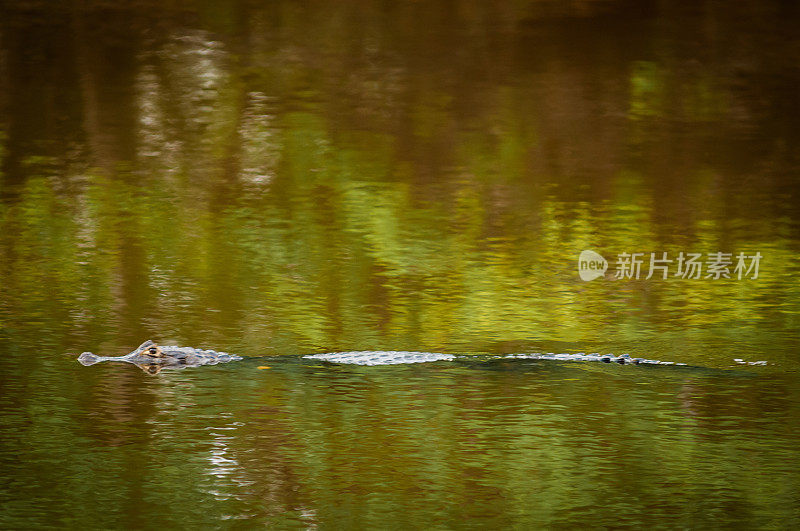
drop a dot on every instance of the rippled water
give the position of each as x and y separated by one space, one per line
292 179
448 444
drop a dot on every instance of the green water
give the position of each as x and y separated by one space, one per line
293 178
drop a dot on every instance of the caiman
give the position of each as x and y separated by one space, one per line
151 358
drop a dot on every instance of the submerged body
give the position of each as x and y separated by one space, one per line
378 357
395 357
623 359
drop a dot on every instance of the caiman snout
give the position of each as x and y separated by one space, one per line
87 358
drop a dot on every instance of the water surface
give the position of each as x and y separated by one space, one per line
284 179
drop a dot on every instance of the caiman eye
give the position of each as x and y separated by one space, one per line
153 351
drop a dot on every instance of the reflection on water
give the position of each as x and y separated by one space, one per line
495 443
287 178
